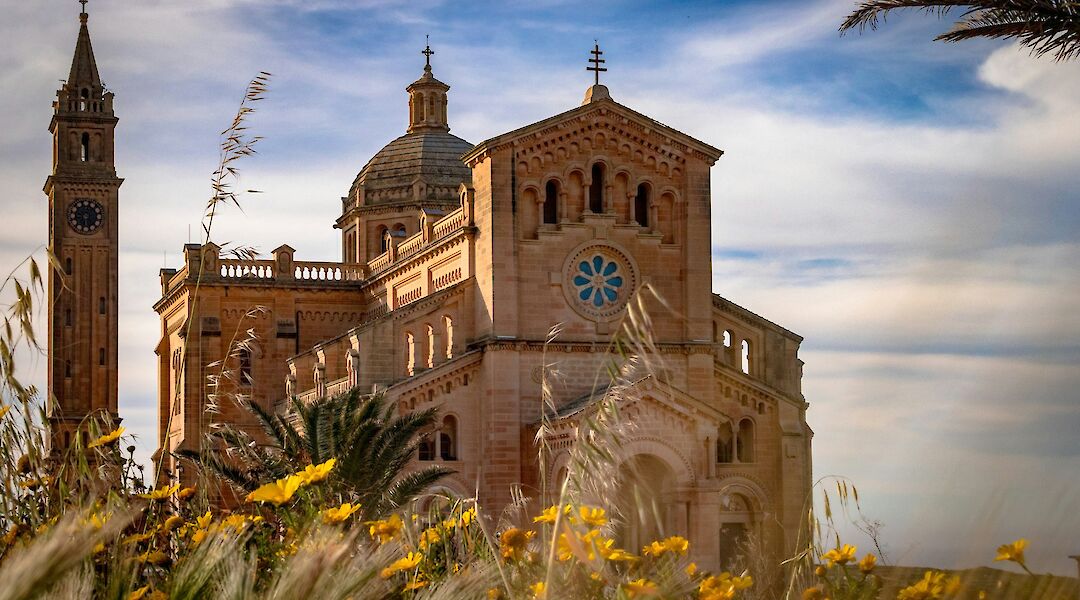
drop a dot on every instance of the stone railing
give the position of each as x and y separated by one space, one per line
231 268
411 245
448 224
327 271
379 262
339 386
308 396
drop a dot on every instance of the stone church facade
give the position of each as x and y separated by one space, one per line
457 259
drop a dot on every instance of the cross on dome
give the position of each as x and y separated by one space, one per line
83 2
427 51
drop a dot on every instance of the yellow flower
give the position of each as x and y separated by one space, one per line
1013 551
867 564
98 548
691 569
674 544
415 584
618 554
386 529
840 556
512 543
204 521
468 517
814 593
172 522
279 492
161 493
96 520
137 538
139 593
107 439
198 536
339 514
717 587
820 570
593 517
538 590
10 535
155 557
642 587
584 546
494 594
33 484
405 563
157 595
429 537
185 493
317 473
742 583
932 586
4 410
239 522
548 516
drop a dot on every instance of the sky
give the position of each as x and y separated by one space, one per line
909 207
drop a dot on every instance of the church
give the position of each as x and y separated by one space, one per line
456 261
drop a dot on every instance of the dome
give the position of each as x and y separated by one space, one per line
430 158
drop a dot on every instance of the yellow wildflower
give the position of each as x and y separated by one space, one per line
618 554
340 513
161 493
33 484
429 537
593 517
742 583
139 593
467 517
1013 552
405 563
98 548
867 564
512 543
107 439
841 555
4 410
155 557
137 538
716 587
538 590
10 535
204 521
640 587
279 492
96 520
386 529
317 473
548 516
494 594
172 522
239 522
415 584
691 569
931 587
185 493
674 544
198 536
820 570
814 593
584 546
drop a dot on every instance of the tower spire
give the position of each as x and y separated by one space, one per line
84 71
427 98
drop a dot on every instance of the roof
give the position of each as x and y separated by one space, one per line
432 156
84 71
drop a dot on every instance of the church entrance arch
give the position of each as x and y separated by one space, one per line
643 500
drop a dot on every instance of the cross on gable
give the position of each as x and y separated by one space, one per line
427 51
596 60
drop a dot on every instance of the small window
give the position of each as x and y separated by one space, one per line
727 338
551 202
101 305
101 357
67 266
429 360
410 354
67 369
448 439
245 367
84 148
723 448
641 205
67 317
746 357
596 189
744 442
427 448
384 243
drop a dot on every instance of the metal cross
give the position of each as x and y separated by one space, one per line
427 52
83 2
596 60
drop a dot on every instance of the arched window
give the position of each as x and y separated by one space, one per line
448 439
245 366
399 230
67 265
429 360
84 95
101 357
596 189
746 357
727 338
724 450
744 441
384 242
101 305
67 368
410 354
84 148
551 202
448 326
427 447
67 317
641 205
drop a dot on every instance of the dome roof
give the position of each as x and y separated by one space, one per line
432 157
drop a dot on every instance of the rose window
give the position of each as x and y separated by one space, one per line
598 281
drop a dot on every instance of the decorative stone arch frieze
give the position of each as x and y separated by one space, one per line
679 464
748 486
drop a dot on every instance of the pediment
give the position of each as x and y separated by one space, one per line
648 397
623 129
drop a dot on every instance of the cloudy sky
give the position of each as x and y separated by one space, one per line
911 208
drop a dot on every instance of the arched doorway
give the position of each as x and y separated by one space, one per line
736 530
645 484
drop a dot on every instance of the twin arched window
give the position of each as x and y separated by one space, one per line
641 205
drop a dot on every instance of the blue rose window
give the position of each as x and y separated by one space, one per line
598 281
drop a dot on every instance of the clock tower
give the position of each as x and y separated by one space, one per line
83 208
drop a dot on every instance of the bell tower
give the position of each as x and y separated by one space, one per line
83 192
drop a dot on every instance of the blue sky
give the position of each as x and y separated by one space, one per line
907 206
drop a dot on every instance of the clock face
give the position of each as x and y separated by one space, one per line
85 216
